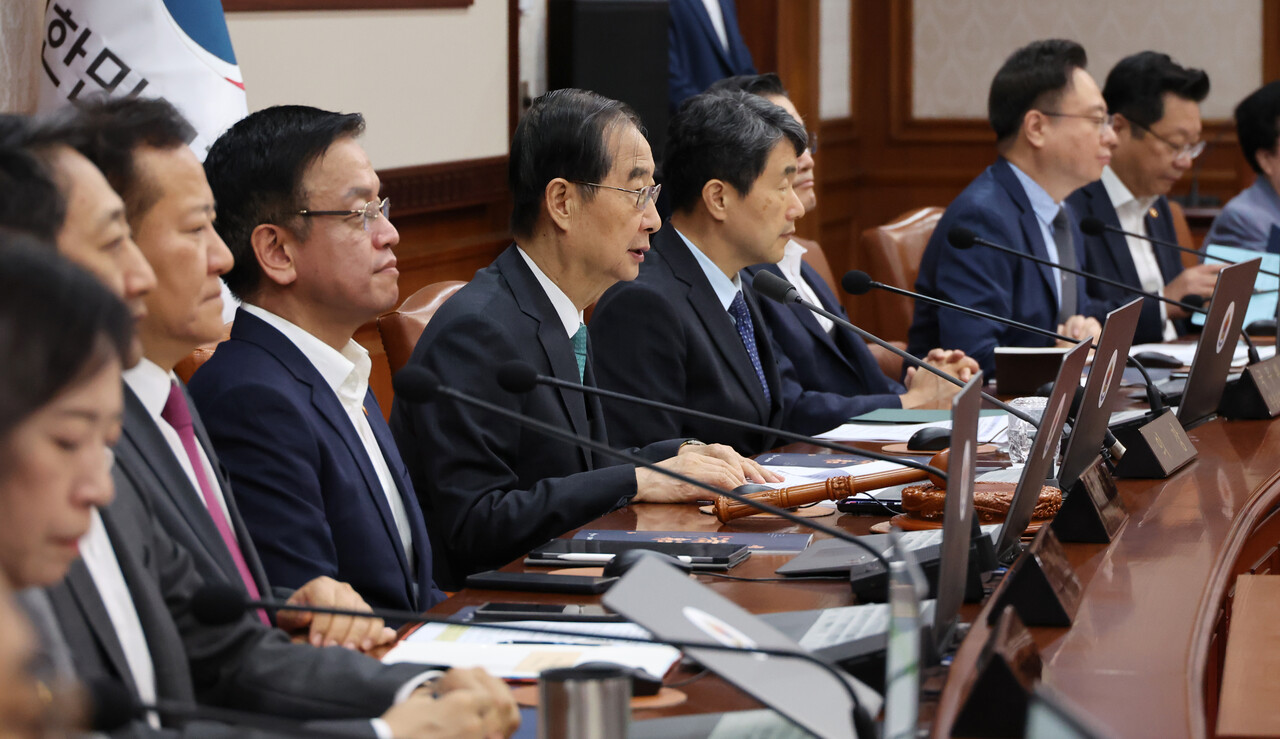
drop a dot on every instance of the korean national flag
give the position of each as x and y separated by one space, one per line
176 49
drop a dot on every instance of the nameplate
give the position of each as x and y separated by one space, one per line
1092 511
1156 449
1256 394
1007 672
1041 585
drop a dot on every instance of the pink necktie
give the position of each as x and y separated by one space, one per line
178 415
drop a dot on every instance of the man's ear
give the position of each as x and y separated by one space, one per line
562 202
717 196
275 249
1035 128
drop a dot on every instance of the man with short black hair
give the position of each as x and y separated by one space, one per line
1247 219
1053 135
581 177
1155 106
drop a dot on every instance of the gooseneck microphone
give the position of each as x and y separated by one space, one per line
218 603
1092 226
963 238
417 384
781 290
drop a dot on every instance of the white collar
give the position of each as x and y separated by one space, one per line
1120 193
792 257
151 384
337 368
568 314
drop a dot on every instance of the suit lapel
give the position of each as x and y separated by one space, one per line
417 525
556 346
708 28
1027 220
78 591
1160 226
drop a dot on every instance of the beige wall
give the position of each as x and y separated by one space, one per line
432 84
19 54
959 44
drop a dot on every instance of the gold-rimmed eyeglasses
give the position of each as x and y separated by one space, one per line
369 212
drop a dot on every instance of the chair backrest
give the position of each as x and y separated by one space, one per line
815 257
196 359
893 253
401 328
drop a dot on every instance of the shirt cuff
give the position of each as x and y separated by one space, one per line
380 729
418 681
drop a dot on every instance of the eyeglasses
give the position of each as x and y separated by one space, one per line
369 212
1190 151
1103 122
644 195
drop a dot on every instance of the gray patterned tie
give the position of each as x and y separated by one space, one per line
1067 258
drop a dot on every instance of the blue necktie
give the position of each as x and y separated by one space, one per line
580 350
747 332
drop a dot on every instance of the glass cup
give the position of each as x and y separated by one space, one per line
1021 433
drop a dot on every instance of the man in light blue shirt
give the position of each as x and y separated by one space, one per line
1248 218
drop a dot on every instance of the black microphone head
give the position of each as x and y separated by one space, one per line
774 287
517 377
111 705
218 603
961 237
415 384
856 282
1092 226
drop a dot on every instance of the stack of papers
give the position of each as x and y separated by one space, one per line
988 428
522 655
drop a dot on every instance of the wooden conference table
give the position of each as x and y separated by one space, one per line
1144 654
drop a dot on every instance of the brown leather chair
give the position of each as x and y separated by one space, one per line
893 252
401 328
1183 230
196 359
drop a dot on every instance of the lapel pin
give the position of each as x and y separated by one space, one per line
1153 212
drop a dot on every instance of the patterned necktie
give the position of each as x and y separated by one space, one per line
747 332
178 415
1066 258
580 350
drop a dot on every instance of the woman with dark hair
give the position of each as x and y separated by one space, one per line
62 336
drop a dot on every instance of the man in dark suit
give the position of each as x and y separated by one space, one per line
164 450
825 356
1155 104
685 332
286 401
491 489
1054 136
703 45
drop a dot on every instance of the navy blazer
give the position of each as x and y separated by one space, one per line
836 362
492 489
695 57
666 336
996 208
304 484
1108 256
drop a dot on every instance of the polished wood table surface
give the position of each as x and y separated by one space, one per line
1143 655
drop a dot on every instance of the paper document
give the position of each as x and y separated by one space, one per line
792 475
988 427
1186 352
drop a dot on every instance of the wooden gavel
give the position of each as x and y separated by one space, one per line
833 488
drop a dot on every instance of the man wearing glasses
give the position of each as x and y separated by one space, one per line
581 178
1053 135
1156 108
286 400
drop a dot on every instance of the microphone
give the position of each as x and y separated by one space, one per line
780 289
963 238
218 603
1092 226
417 384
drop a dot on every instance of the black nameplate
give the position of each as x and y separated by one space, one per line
1256 394
1092 511
1007 672
1041 585
1156 449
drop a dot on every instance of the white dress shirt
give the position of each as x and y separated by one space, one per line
569 315
790 264
151 384
347 374
1132 212
725 288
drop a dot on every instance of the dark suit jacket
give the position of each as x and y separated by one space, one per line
666 336
995 207
242 665
303 482
492 490
1108 256
694 54
839 362
145 461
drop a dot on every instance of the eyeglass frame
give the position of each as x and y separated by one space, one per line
1107 120
383 209
1191 151
644 196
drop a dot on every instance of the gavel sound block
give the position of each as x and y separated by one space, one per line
833 488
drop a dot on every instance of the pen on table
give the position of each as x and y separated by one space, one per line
605 558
